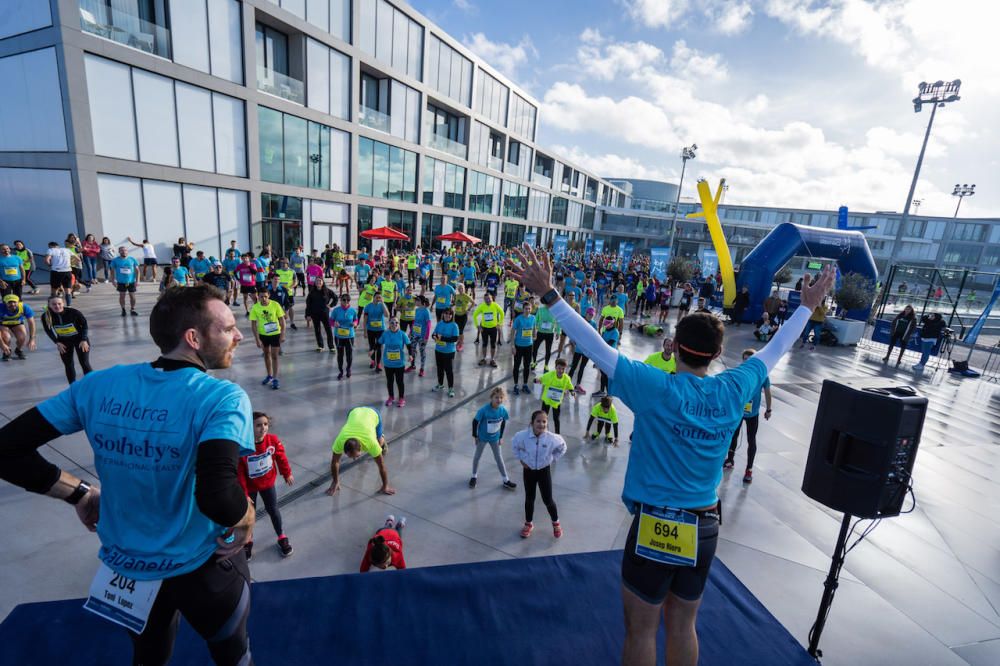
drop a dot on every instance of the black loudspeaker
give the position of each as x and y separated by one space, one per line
863 446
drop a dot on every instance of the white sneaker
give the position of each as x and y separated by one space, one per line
390 521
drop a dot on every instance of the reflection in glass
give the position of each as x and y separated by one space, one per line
272 167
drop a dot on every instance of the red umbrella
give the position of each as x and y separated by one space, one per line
459 237
384 233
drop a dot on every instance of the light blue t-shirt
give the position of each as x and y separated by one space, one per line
612 336
752 408
443 293
683 426
125 268
199 267
230 264
297 262
10 268
490 419
262 264
375 313
522 330
145 425
622 300
469 273
421 324
342 319
361 272
394 345
181 275
448 329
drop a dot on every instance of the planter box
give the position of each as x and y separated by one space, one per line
848 331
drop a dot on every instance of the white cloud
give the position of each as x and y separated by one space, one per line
611 164
728 17
656 13
506 58
606 60
693 64
464 5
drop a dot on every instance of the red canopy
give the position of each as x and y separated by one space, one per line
459 237
384 233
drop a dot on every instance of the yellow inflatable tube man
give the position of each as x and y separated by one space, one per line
710 211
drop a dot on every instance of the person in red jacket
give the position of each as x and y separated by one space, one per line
257 475
385 549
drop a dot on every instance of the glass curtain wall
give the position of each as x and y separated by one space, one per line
294 151
386 172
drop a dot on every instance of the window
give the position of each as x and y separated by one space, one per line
484 193
496 150
328 79
449 72
800 218
478 228
567 177
141 24
538 206
591 191
965 255
519 162
444 184
447 131
273 74
915 228
389 106
431 226
543 170
511 234
991 256
333 16
296 151
965 231
391 36
588 217
522 117
919 251
491 98
515 200
514 157
386 172
559 207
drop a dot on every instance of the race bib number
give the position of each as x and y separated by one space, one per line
668 535
442 344
545 326
417 328
603 419
493 426
554 394
259 465
10 271
271 327
409 314
526 334
343 332
747 408
393 355
65 330
122 600
441 300
487 316
376 323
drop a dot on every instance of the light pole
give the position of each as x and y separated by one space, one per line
962 191
725 191
916 205
936 94
686 154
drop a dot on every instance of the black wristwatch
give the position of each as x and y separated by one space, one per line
78 493
550 297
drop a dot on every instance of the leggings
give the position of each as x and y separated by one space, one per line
270 497
812 326
541 479
345 347
215 601
604 382
555 414
418 346
752 423
73 344
28 280
376 348
461 320
893 341
495 447
580 359
539 339
444 367
395 375
320 323
522 355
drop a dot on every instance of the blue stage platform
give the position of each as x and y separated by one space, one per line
547 611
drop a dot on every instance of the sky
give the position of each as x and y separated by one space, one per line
799 103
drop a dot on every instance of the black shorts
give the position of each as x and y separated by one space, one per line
271 340
248 289
651 581
130 287
664 307
13 287
470 284
149 262
59 279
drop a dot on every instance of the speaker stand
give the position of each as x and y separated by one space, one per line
829 588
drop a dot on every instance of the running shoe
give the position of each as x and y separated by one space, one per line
534 364
275 384
388 402
525 388
371 366
284 546
248 550
812 347
319 349
608 439
294 327
509 485
134 313
599 394
333 350
451 393
390 521
401 402
409 368
593 435
472 482
123 312
437 387
348 374
748 476
19 354
493 363
526 530
421 373
517 390
6 357
729 464
267 380
401 523
581 390
340 375
556 529
482 361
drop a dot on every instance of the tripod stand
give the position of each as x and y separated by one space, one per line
829 588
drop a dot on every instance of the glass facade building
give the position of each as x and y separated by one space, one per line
282 121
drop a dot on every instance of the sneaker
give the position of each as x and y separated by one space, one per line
275 384
284 546
401 523
6 357
267 380
526 530
546 369
333 350
493 364
917 368
525 388
388 402
812 347
599 394
348 374
472 482
437 387
509 485
421 373
409 368
517 390
294 327
729 464
748 476
340 376
451 393
19 354
534 364
609 439
581 390
482 361
134 313
319 349
390 521
123 312
556 529
593 435
401 402
371 366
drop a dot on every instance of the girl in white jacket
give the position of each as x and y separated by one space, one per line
537 449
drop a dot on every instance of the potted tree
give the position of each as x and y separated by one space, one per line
679 271
783 276
854 296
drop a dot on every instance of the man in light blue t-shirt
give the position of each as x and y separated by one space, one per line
170 512
444 293
124 274
683 426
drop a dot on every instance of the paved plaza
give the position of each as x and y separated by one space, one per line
924 588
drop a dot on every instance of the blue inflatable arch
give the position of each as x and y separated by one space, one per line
848 248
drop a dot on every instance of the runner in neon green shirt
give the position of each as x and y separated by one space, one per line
488 319
664 360
269 333
362 433
555 385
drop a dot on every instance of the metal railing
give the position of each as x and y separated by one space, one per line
444 144
374 119
281 85
126 27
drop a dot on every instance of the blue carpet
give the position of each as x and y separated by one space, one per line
547 611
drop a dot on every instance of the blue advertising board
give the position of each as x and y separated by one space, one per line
658 258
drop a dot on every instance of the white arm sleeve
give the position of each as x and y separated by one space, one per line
784 338
588 341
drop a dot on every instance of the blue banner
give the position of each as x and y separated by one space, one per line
588 247
599 246
531 238
658 258
559 245
625 251
973 333
842 217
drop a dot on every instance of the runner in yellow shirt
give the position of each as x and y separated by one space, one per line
607 419
361 434
664 360
555 385
268 333
488 319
